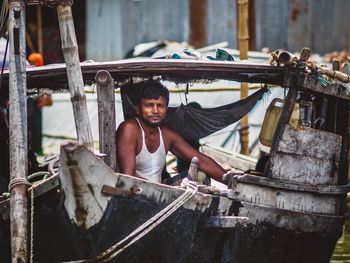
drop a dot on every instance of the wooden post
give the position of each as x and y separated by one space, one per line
75 79
40 30
252 24
198 34
192 171
106 117
346 69
18 132
243 43
288 107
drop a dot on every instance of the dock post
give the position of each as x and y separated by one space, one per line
243 43
75 78
106 117
18 132
346 69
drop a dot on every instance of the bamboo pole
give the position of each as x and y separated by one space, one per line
106 117
331 73
18 132
243 43
75 79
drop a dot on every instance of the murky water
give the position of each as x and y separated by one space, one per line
342 250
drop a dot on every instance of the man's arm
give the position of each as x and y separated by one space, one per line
183 150
126 148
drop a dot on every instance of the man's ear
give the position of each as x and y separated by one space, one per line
137 109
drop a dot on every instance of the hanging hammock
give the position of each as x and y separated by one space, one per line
195 123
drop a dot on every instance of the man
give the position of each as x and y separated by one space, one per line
142 143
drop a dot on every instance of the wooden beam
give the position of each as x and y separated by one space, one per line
198 34
55 76
106 117
252 24
75 79
18 132
261 181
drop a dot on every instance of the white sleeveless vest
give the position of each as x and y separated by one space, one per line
150 165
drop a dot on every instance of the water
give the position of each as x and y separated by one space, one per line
342 250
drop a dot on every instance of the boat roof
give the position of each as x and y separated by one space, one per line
54 76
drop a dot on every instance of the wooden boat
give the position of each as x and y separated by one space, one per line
294 213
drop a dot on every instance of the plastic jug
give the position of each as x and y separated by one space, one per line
271 119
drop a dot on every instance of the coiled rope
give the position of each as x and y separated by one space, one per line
38 176
145 228
18 181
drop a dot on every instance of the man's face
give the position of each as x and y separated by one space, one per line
152 111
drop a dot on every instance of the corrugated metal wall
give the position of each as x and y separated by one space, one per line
322 25
115 26
222 22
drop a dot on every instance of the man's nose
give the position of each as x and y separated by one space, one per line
155 109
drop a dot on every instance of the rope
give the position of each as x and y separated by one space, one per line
32 225
18 181
145 228
41 175
53 162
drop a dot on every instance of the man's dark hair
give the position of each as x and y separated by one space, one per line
151 89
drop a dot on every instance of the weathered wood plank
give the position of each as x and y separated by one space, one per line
310 142
294 186
303 169
18 132
291 220
227 221
312 155
82 177
106 117
287 200
74 75
335 88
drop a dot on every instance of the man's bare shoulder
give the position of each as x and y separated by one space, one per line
169 132
167 129
129 127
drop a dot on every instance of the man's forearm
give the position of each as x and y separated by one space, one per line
211 168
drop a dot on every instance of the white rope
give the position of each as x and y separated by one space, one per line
32 225
145 228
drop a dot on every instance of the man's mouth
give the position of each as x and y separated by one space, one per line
154 118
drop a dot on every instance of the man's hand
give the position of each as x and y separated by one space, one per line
227 177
